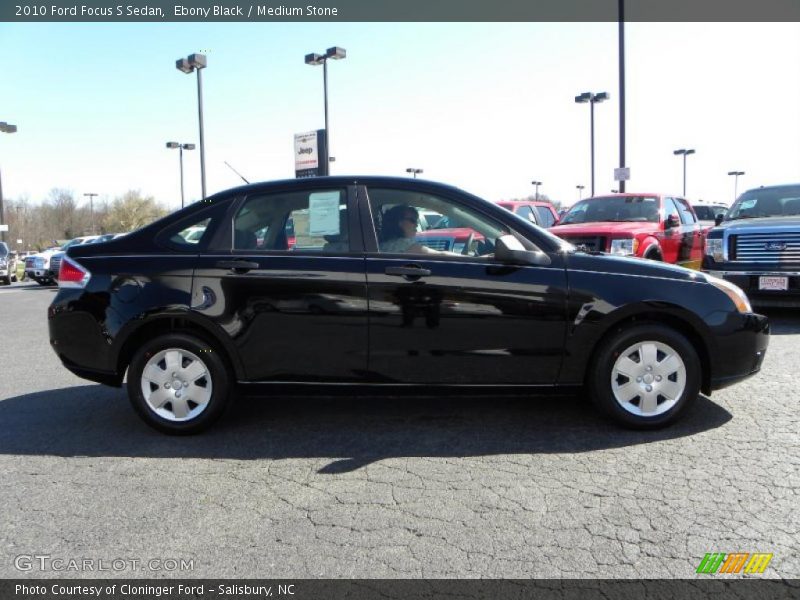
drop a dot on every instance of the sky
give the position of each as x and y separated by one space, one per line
487 107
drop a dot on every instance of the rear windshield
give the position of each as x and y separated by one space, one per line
774 202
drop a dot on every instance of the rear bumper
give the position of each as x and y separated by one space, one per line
741 351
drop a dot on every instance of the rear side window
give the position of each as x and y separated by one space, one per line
306 221
193 233
687 217
546 218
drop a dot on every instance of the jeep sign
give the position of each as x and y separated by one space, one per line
309 151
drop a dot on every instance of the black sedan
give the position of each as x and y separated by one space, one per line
325 282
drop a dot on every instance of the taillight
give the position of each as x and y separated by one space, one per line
72 275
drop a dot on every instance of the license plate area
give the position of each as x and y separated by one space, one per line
772 282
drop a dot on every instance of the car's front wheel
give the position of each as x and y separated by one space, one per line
178 384
645 376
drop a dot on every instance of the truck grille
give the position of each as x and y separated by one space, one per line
55 264
590 243
436 243
766 247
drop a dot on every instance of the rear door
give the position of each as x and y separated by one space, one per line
296 309
457 318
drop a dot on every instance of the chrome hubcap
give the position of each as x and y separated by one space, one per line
648 378
176 384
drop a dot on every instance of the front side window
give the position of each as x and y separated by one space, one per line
526 213
307 221
670 210
459 231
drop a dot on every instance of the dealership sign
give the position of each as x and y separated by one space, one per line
309 154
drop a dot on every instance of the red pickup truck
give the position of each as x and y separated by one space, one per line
651 226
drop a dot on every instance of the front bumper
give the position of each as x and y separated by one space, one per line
37 273
749 282
740 350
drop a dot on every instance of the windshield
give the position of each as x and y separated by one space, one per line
613 208
3 249
774 202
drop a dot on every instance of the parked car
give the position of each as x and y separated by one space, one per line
650 226
707 213
757 245
191 323
8 264
536 211
43 269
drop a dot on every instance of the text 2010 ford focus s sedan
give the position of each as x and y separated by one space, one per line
327 281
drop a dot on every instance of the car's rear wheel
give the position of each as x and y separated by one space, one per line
178 384
645 376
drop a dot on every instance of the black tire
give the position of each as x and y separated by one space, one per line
221 383
602 367
7 280
42 282
654 255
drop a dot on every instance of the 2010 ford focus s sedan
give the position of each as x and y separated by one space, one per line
330 281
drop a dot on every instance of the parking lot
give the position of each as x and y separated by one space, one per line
383 487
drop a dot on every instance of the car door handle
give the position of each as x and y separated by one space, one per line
238 266
408 271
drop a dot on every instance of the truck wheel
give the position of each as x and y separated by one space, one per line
178 384
645 376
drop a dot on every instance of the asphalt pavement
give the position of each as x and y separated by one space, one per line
388 487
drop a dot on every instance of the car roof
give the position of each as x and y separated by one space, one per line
773 187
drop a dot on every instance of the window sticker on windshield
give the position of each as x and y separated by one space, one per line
748 204
324 213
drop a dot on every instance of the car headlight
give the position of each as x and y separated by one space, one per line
734 292
624 247
714 247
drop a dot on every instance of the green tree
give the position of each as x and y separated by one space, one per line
131 211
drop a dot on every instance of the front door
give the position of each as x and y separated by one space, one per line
288 286
441 317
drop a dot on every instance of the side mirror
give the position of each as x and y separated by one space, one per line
673 221
718 219
508 249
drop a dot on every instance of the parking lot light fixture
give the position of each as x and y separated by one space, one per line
580 190
181 148
591 99
334 53
91 196
197 62
537 184
735 182
4 128
414 171
684 152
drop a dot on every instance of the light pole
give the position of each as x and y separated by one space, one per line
334 53
537 184
685 153
414 171
735 181
197 62
4 128
592 99
91 206
580 191
181 148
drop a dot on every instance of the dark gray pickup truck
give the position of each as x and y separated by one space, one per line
757 245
